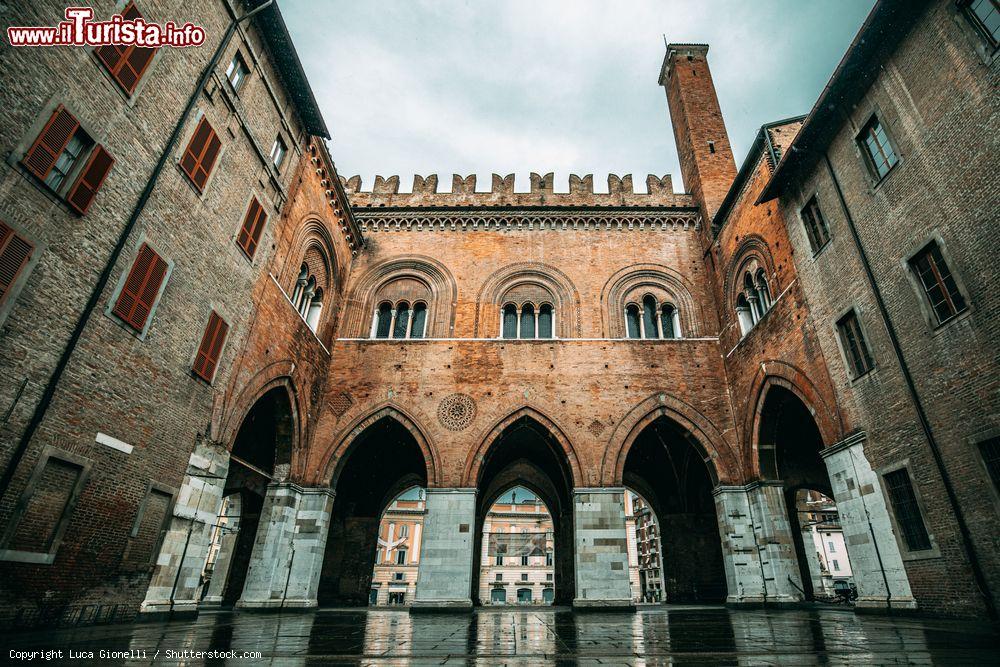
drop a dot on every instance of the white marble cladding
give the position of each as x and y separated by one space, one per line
444 577
287 557
602 574
176 581
868 531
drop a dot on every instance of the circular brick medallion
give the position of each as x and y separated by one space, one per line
456 411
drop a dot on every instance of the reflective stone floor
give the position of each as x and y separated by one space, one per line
679 635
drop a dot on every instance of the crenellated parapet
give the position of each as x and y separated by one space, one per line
542 192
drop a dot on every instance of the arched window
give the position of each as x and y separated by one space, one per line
509 321
300 285
744 314
763 291
632 326
545 321
649 329
315 309
527 328
669 321
383 320
399 328
419 320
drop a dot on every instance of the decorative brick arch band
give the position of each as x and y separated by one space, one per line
431 273
474 461
333 461
719 456
780 374
752 254
549 278
656 277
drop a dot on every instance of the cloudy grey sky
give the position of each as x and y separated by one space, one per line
570 86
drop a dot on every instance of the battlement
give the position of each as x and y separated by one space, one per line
385 192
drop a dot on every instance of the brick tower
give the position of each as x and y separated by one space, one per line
699 132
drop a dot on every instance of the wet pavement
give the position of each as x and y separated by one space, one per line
677 635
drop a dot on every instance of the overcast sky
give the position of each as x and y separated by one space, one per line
515 86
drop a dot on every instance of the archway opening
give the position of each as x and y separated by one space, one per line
644 549
527 455
397 550
789 445
382 461
261 453
517 562
668 467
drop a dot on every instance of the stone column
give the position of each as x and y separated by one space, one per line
175 586
444 576
287 557
871 543
775 542
601 556
740 555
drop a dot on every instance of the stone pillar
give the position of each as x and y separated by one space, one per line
175 587
444 576
601 551
775 542
220 573
871 543
287 557
740 555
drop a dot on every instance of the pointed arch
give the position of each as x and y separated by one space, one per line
333 460
719 456
275 374
474 461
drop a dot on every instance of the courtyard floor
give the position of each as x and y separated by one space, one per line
653 635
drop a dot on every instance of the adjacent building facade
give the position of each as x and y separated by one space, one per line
215 324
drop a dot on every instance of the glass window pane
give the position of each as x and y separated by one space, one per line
907 511
632 322
527 321
667 322
545 322
510 322
649 318
402 319
384 320
419 320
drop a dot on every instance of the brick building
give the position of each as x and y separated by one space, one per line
394 580
819 319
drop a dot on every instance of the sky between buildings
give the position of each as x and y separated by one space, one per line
570 86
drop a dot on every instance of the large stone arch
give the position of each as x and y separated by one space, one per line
720 458
234 411
779 373
659 278
333 460
474 460
552 280
426 270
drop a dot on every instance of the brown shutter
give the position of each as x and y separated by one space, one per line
207 358
82 194
253 224
201 153
135 301
43 154
14 254
126 64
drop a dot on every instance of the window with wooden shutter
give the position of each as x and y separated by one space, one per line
82 194
138 294
126 64
51 142
14 255
253 226
207 359
200 155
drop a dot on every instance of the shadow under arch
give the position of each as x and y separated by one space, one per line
378 457
523 451
720 458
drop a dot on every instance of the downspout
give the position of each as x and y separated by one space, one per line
949 488
50 389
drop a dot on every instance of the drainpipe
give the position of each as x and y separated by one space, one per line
925 425
50 389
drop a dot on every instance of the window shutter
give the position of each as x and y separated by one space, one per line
14 254
42 155
126 64
200 155
253 225
143 283
82 194
207 358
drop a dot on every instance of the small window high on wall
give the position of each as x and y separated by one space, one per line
400 320
526 322
652 320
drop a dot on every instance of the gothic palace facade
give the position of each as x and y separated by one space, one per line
195 308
